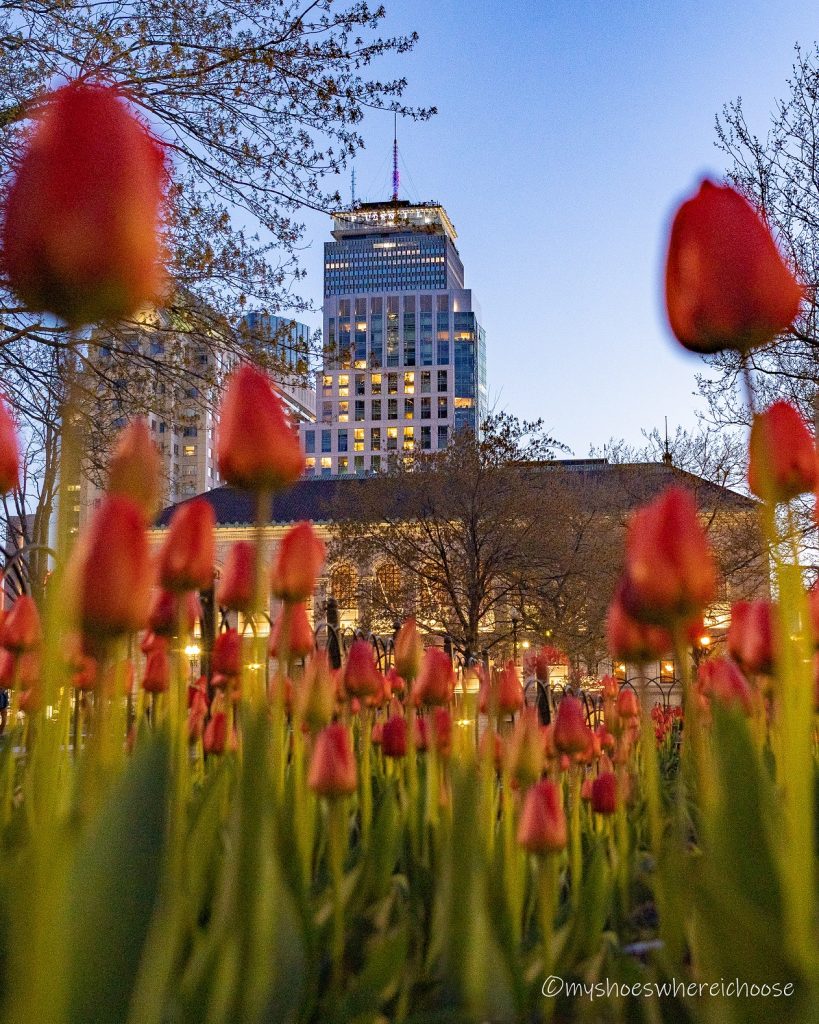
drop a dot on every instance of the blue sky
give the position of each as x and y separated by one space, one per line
566 133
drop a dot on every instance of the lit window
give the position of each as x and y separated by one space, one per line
190 449
343 412
409 437
409 383
358 440
344 384
464 403
375 383
326 462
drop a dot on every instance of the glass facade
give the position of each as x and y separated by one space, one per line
402 336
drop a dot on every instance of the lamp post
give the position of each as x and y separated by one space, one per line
515 621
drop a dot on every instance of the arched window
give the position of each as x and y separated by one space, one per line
343 585
390 581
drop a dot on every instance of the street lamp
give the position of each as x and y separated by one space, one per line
515 621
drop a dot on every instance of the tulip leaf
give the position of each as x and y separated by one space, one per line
113 889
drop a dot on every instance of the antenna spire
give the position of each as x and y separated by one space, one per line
668 459
395 177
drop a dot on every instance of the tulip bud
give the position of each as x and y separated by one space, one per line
298 562
510 692
604 793
135 467
751 635
542 827
361 675
332 767
226 659
627 704
197 712
81 226
527 747
9 452
157 676
633 641
318 693
292 632
165 612
21 629
670 572
726 284
237 588
783 461
257 447
214 738
492 748
442 729
586 789
408 650
394 737
395 683
436 678
571 731
111 574
187 554
722 681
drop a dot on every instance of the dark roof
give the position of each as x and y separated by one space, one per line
324 499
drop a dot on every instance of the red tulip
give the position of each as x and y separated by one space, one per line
408 650
571 731
751 635
187 554
237 588
436 678
526 752
332 766
627 704
394 737
670 572
111 572
21 629
226 659
317 692
542 827
783 461
165 612
442 729
633 641
292 629
214 738
135 467
157 676
9 452
722 681
604 793
197 712
492 747
257 446
361 675
81 226
298 562
726 284
509 690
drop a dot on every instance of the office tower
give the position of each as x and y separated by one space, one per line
405 355
288 347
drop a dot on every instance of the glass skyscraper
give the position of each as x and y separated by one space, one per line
405 356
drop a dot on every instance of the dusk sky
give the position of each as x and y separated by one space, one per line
566 133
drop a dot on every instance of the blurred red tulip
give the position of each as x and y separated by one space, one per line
632 641
436 678
226 657
298 562
197 712
394 737
361 675
492 747
237 587
165 612
670 571
408 650
604 793
9 452
332 767
726 284
542 827
293 630
783 461
627 704
187 553
21 629
722 681
441 721
257 446
509 691
214 738
317 692
135 467
81 225
571 731
157 677
526 751
751 635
